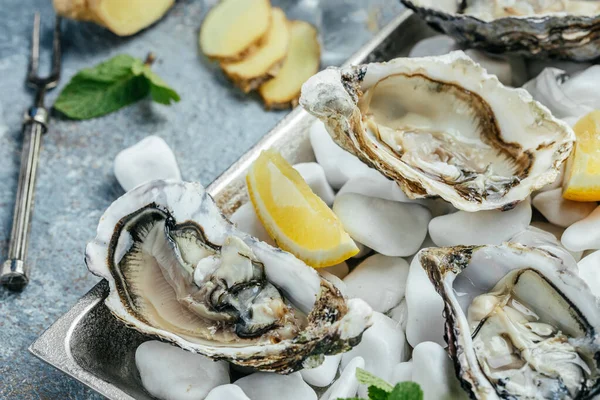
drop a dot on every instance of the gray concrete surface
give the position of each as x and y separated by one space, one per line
208 130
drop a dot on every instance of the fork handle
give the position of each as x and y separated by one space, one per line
15 271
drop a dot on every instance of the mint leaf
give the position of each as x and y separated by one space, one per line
376 393
367 378
159 90
103 89
109 70
137 67
110 86
406 391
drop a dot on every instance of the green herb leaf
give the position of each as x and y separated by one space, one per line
367 378
376 393
159 90
109 71
110 86
406 391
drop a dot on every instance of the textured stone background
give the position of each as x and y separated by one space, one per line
208 130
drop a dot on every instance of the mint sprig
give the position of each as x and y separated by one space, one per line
367 378
112 85
381 390
376 393
406 391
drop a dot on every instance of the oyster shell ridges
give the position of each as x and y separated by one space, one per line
332 324
569 37
442 127
454 273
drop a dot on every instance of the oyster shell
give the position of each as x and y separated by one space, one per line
494 9
520 322
180 271
564 29
441 126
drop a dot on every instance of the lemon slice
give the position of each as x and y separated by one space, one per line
296 218
582 177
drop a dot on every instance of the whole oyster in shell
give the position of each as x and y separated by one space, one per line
520 322
180 271
442 126
566 29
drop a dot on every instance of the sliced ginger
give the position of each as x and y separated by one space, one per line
123 17
233 29
263 64
259 48
302 61
582 177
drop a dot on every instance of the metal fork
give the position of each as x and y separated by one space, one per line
15 272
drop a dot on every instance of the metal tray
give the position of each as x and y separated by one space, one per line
90 345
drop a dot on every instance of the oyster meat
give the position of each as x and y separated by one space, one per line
520 322
564 29
180 271
442 126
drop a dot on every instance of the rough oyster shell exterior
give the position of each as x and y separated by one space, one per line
334 324
534 142
562 36
462 273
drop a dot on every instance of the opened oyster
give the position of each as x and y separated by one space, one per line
520 323
441 126
551 28
179 270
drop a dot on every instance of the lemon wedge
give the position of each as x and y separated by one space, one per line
296 218
582 177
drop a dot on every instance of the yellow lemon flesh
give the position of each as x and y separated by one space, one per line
582 177
296 218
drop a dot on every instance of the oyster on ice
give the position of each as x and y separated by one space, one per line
566 29
180 271
520 322
442 126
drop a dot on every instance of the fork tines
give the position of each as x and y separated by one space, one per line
32 75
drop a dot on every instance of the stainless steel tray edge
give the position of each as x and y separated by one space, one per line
47 346
228 190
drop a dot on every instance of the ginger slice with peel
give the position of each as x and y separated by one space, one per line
233 29
302 62
123 18
265 62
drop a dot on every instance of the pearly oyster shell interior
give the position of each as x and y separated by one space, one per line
180 271
441 126
564 29
520 322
